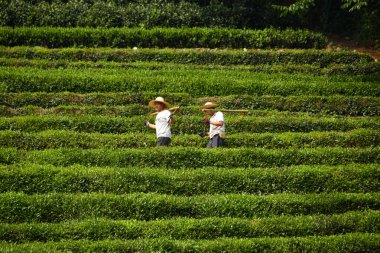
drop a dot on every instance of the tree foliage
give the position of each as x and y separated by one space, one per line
301 6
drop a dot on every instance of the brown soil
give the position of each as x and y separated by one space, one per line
339 43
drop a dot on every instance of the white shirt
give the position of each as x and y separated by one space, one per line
163 124
214 130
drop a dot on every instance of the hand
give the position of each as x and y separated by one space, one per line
176 110
206 121
146 123
202 134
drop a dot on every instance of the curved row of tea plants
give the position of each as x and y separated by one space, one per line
344 105
180 157
195 82
187 124
185 228
161 37
335 69
72 139
320 58
132 110
334 244
32 178
55 207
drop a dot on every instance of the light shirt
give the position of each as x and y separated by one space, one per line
163 124
214 130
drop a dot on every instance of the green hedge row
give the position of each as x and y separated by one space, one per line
336 69
47 100
55 207
187 124
184 228
32 178
355 242
343 105
369 68
72 110
132 110
318 58
160 37
110 13
193 157
136 13
71 139
196 82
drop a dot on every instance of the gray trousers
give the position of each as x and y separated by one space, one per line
163 141
215 141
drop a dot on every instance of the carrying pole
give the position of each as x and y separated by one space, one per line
226 110
174 109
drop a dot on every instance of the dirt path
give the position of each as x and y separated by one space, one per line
337 43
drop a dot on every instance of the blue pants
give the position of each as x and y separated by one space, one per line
215 141
163 141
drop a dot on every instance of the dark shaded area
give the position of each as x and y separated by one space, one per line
326 16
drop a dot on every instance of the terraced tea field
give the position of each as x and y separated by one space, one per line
79 171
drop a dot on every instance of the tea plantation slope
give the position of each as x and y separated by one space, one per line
79 171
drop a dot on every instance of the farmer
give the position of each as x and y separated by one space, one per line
217 126
164 118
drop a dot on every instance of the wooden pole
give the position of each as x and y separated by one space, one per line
225 110
170 109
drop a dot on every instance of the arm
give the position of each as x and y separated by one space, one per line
217 123
148 124
171 120
153 126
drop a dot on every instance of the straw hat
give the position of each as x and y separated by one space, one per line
209 105
159 100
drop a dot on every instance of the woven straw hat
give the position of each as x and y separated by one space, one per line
209 105
159 100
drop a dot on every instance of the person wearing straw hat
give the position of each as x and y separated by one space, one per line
217 125
164 118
